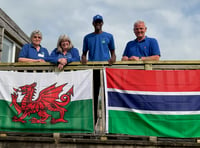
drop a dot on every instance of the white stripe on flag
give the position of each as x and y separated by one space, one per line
81 80
153 93
155 112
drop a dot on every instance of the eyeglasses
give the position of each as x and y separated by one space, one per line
65 43
39 37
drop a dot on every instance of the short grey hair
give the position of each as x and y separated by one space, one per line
36 32
139 22
63 38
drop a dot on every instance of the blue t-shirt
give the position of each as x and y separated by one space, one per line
29 51
71 56
144 48
98 46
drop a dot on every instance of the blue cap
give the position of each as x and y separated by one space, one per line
97 17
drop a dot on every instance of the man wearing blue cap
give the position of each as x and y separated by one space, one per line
100 47
99 44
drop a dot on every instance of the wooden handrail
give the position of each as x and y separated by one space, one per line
154 65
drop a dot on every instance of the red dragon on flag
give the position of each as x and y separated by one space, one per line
48 100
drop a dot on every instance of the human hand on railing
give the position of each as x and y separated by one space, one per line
124 58
62 61
60 66
83 60
111 61
134 58
39 60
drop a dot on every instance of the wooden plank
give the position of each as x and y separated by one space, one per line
103 112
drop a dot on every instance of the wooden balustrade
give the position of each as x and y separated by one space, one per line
100 128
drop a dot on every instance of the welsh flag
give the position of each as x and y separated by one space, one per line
46 102
162 103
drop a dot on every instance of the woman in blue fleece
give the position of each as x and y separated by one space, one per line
64 53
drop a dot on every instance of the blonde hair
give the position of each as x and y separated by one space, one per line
61 39
36 32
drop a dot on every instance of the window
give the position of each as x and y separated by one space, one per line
7 52
17 50
10 51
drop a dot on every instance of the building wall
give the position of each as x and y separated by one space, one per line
1 40
12 32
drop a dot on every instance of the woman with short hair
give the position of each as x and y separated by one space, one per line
33 52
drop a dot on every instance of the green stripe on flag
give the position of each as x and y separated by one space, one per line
79 115
180 126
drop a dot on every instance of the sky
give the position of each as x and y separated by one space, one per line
174 23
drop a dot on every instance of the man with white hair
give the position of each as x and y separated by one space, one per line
142 48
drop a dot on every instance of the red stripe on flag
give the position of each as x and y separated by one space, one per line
153 80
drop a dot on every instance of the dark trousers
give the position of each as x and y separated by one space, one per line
96 87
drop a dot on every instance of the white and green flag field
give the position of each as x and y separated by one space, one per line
46 102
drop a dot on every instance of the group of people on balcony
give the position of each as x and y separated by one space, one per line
99 45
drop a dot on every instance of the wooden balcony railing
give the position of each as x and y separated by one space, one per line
146 65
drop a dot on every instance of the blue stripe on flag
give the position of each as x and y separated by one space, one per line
154 102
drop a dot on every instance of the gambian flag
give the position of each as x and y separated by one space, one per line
162 103
46 102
